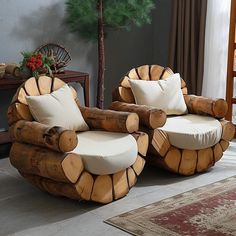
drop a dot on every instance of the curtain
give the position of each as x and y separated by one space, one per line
187 37
216 48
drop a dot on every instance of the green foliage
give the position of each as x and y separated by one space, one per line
35 63
82 15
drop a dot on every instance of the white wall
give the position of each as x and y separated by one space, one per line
216 48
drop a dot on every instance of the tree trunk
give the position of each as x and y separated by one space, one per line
101 56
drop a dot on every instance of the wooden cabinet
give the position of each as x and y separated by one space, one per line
231 69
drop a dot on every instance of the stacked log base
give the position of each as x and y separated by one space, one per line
63 174
186 162
101 189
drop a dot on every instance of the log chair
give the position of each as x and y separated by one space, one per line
44 155
161 151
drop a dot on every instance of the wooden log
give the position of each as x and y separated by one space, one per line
143 72
188 162
132 74
205 159
170 162
142 142
218 152
158 141
84 185
166 73
148 116
132 179
205 106
172 159
125 82
109 120
102 189
224 144
120 184
18 111
156 72
55 138
53 187
31 87
228 130
183 84
57 83
184 91
123 94
62 167
138 165
44 84
20 96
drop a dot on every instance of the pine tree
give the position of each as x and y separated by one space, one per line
93 18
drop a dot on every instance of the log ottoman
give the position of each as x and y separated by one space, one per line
184 144
100 164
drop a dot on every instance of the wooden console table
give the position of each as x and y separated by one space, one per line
67 76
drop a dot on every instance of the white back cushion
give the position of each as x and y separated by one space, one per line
162 94
57 109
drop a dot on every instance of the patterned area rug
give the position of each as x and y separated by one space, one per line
205 211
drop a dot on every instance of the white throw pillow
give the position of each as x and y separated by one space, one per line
57 109
163 94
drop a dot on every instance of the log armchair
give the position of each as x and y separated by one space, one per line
184 144
99 165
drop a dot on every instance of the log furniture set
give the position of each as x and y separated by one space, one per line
89 165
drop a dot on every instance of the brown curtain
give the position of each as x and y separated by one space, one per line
187 37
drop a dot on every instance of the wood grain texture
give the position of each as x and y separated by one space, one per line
142 142
18 111
110 120
55 138
123 94
62 167
228 130
148 116
205 106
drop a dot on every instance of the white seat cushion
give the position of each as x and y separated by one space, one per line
106 152
193 132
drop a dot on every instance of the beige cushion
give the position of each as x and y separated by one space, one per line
57 109
163 94
193 132
106 152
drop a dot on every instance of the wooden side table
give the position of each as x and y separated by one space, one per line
68 76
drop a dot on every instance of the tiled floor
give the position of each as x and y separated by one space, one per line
25 211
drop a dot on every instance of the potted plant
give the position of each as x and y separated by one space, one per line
35 64
93 18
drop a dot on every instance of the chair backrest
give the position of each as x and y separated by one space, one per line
124 93
19 109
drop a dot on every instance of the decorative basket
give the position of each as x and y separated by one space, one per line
58 54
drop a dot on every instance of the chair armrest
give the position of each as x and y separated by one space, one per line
55 138
148 116
205 106
109 120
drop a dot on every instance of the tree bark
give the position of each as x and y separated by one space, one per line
101 56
